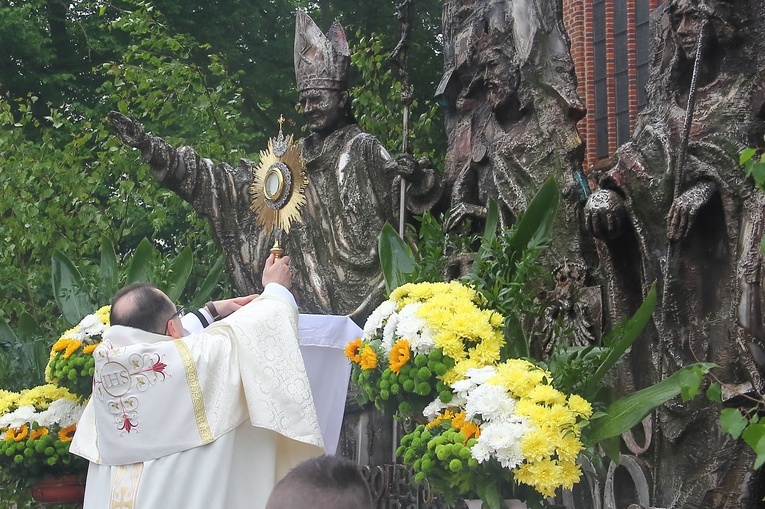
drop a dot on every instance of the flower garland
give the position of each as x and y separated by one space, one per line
71 363
424 337
504 420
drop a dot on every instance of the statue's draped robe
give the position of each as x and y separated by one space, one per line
713 269
212 420
334 252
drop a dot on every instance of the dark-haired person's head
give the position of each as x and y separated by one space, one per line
143 306
325 482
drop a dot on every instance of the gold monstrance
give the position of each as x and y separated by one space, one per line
278 187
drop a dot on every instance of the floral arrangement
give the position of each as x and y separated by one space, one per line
71 363
36 428
504 422
423 338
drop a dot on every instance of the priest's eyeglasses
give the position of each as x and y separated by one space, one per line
179 312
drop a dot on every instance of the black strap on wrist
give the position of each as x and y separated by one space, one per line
202 318
214 312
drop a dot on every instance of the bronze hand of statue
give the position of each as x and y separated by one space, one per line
162 157
424 182
130 131
686 207
604 214
461 212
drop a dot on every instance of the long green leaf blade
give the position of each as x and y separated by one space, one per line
180 270
69 289
626 412
536 222
108 271
210 283
396 259
141 267
632 330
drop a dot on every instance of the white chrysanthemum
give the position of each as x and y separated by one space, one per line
502 440
19 417
425 343
434 408
377 319
389 333
413 328
489 401
63 412
481 375
480 451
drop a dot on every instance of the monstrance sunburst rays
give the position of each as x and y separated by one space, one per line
278 185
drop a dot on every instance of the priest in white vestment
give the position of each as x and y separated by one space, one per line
210 420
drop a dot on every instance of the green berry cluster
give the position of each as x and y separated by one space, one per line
407 392
74 373
440 455
35 456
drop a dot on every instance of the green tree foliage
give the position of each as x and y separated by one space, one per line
198 73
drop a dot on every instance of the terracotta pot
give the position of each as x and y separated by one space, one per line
68 489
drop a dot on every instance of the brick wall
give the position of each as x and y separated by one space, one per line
579 22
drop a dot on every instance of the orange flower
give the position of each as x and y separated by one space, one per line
467 428
90 348
399 355
72 347
9 435
352 350
66 434
19 434
37 433
435 422
368 358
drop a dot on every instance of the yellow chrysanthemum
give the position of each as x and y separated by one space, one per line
546 394
368 358
8 401
67 434
37 433
88 349
561 416
538 444
41 396
569 446
103 314
399 355
352 350
569 474
543 476
580 405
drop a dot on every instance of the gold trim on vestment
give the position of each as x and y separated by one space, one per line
195 391
125 486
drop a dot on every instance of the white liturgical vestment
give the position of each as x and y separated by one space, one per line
212 420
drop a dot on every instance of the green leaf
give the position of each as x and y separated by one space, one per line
69 289
754 436
626 412
629 333
488 492
6 333
516 345
746 155
612 447
209 284
180 270
714 392
396 259
107 281
733 422
690 381
490 229
141 266
28 328
533 228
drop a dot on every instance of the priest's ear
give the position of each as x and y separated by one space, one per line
175 328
